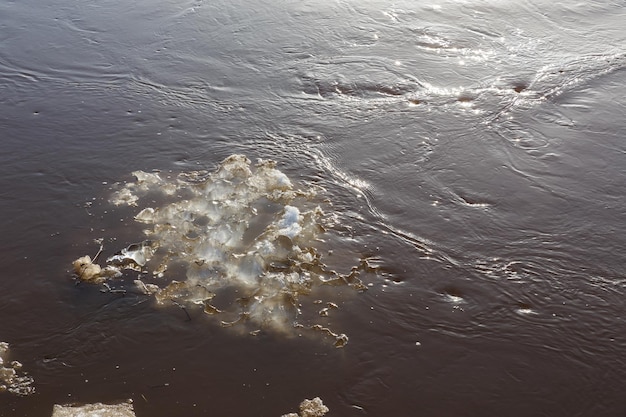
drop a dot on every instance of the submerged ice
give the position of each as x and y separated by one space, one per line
239 242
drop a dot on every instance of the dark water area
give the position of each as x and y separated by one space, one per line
473 152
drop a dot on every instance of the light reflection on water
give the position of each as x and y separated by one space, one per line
472 151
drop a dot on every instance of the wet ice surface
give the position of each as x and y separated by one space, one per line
12 378
239 243
310 408
124 409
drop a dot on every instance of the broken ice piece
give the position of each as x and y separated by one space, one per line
11 377
242 231
146 215
146 289
134 256
86 270
313 408
310 408
289 224
124 197
124 409
340 339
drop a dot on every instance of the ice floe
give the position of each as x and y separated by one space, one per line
241 240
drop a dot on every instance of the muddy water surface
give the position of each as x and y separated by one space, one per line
470 154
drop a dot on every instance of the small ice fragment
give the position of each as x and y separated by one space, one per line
146 215
147 177
341 340
124 197
134 256
146 289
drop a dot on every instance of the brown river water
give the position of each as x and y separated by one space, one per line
442 232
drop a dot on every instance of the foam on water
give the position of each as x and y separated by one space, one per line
245 238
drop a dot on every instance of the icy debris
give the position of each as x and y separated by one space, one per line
124 409
244 238
313 408
125 197
146 215
340 339
147 289
145 179
134 256
310 408
324 312
86 270
12 379
289 224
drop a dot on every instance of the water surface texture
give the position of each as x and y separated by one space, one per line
462 164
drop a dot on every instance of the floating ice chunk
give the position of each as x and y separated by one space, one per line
270 313
246 270
209 253
226 234
124 409
241 234
233 167
270 179
146 215
289 224
310 408
130 193
11 377
4 347
124 197
147 177
279 180
147 289
86 270
134 256
313 408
